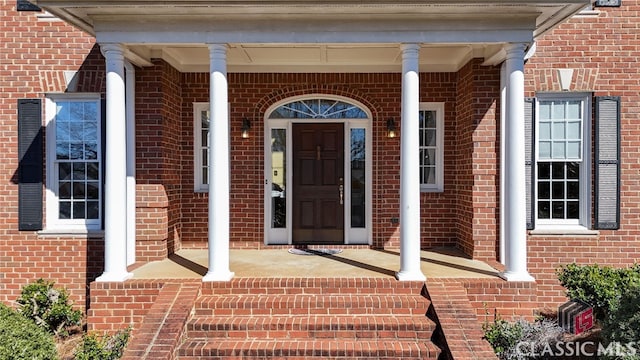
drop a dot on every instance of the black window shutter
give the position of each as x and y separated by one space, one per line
30 164
529 148
24 5
607 163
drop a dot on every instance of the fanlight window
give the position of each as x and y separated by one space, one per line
318 109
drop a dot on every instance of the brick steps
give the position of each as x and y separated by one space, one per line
353 304
290 327
305 348
309 318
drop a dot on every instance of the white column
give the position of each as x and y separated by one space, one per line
115 202
409 168
515 212
219 167
131 161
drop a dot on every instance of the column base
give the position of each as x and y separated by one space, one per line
410 276
517 276
218 276
114 277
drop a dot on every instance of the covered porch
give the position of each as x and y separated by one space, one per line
203 45
282 263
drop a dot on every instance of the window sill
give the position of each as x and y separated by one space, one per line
564 231
74 233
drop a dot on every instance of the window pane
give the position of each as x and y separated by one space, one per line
544 190
558 150
573 190
62 150
558 110
544 170
64 171
573 110
544 209
544 130
557 211
79 171
544 150
573 170
430 138
557 171
79 210
93 210
93 171
573 150
91 151
64 190
573 130
93 190
573 210
545 110
558 131
358 179
558 190
65 210
428 175
278 178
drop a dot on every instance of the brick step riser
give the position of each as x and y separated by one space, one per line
310 311
312 301
347 349
296 286
311 291
303 335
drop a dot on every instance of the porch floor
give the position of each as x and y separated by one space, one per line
192 264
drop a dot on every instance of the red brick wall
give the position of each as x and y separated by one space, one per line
251 95
477 150
603 50
34 55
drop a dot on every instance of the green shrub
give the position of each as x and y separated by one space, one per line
48 307
103 347
522 339
600 287
503 336
623 323
21 339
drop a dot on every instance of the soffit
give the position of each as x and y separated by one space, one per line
305 35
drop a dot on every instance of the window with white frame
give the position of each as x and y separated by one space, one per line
74 162
562 160
431 129
201 146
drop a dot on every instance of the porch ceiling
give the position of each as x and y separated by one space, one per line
308 35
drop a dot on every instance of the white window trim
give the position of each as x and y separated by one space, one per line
52 204
584 222
198 184
438 107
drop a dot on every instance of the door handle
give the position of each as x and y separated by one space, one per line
341 190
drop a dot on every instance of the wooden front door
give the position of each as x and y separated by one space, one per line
318 184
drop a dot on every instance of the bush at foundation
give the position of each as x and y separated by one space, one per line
21 339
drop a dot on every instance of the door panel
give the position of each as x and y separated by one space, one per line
318 173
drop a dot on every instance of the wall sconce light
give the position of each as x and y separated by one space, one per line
391 128
246 126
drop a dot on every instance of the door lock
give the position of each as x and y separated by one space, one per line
341 190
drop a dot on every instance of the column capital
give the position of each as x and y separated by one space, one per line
410 49
515 51
112 49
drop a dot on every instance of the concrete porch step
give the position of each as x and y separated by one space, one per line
309 327
307 304
305 349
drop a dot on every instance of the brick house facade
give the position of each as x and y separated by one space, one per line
45 58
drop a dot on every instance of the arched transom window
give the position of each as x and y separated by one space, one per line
318 109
